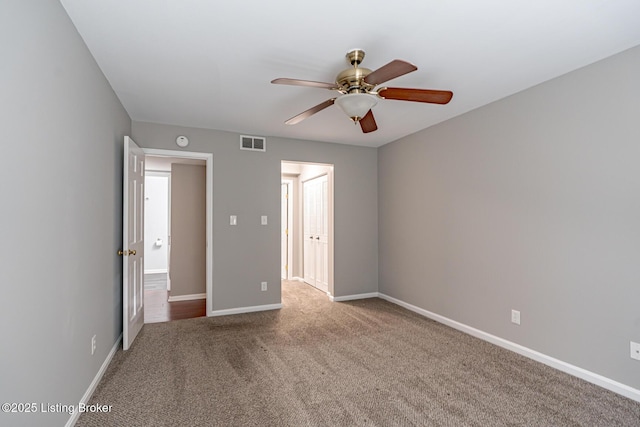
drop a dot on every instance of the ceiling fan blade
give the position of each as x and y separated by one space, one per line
416 95
296 82
311 111
393 69
368 123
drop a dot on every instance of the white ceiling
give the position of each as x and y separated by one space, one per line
209 64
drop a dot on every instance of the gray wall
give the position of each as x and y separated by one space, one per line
61 222
188 230
531 203
247 184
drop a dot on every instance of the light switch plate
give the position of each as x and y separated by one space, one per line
515 317
635 350
233 220
263 220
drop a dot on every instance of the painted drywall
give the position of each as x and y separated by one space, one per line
531 203
61 221
188 230
156 222
247 184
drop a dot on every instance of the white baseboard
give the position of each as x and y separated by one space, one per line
187 297
241 310
565 367
299 279
158 271
92 387
355 296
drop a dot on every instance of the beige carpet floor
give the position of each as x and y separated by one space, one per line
318 363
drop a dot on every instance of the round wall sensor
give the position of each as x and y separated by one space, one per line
182 141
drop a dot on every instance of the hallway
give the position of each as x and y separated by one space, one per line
158 309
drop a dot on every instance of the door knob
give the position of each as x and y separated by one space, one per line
125 253
318 238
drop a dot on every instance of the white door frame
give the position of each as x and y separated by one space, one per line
208 158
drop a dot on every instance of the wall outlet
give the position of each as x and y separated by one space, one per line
93 345
635 350
515 317
263 286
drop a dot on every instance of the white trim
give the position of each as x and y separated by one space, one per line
299 279
355 296
157 173
568 368
187 297
96 380
241 310
208 157
156 271
169 233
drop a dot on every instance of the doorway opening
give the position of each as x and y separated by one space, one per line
177 235
307 224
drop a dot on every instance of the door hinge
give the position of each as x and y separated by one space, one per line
286 231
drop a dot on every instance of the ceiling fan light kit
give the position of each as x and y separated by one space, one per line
357 86
356 105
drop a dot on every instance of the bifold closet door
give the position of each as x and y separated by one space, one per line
315 235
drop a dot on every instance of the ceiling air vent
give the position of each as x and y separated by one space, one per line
253 143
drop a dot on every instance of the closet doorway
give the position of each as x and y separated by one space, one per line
307 224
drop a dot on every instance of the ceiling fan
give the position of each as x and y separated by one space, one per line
358 93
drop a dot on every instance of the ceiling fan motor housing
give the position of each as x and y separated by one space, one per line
351 80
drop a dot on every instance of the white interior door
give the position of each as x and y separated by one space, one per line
308 225
133 241
322 231
315 225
